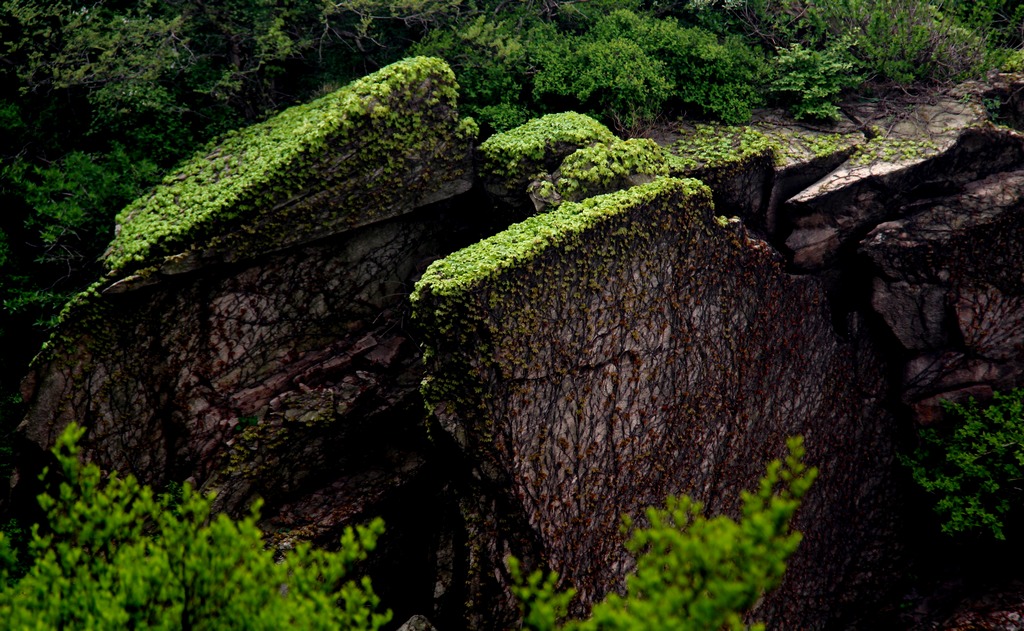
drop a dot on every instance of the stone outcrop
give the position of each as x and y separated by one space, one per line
219 352
590 361
949 287
252 333
922 222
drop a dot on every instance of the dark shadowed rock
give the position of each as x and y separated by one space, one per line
590 361
257 346
950 289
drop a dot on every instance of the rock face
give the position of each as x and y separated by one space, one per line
252 335
593 360
950 289
259 370
923 223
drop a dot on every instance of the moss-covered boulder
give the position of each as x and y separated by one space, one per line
275 370
736 162
598 169
591 360
509 161
377 148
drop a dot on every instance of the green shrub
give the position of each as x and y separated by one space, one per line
614 77
904 40
630 66
811 82
976 469
489 62
114 556
693 572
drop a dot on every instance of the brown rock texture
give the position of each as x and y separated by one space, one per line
650 351
272 371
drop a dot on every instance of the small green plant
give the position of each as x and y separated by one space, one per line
975 469
693 572
811 81
113 555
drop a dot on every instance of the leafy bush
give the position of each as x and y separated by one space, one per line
489 61
811 81
629 66
904 40
113 555
976 470
616 77
693 573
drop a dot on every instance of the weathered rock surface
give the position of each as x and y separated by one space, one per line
618 351
950 289
274 372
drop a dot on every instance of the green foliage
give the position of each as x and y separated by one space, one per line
715 146
693 572
630 65
490 62
976 470
612 75
1013 62
75 198
604 167
515 246
904 40
811 81
113 555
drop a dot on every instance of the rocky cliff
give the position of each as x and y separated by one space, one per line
253 333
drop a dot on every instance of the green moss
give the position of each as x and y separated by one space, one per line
792 146
715 146
288 164
518 154
603 164
890 149
464 269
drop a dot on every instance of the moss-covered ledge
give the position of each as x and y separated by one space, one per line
511 160
377 148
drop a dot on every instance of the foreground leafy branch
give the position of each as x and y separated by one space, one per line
976 471
113 556
693 572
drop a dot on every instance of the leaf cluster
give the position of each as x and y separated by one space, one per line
976 469
114 555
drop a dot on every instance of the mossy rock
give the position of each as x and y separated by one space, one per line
511 160
738 164
598 169
376 148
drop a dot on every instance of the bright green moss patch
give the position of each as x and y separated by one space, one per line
275 174
515 246
792 147
883 148
517 154
714 145
602 164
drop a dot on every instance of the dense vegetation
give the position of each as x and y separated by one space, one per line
974 467
111 554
